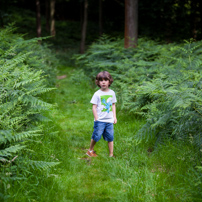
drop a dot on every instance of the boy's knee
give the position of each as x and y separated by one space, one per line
96 137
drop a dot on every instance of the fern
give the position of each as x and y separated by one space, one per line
9 151
10 136
22 108
160 82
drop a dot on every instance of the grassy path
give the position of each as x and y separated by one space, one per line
132 176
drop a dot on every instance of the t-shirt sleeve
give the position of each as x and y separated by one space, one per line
114 98
94 99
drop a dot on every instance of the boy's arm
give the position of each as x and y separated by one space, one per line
114 112
95 112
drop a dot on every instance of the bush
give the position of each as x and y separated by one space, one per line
160 82
26 69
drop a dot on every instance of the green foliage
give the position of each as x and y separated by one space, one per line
26 68
36 57
166 174
159 82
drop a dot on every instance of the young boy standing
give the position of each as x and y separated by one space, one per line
104 112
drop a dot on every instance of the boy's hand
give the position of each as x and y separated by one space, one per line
115 120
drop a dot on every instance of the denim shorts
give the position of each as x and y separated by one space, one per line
103 129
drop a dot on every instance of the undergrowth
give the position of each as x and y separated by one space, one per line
159 82
162 83
26 73
155 161
138 173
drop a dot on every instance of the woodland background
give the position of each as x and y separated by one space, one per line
167 20
50 53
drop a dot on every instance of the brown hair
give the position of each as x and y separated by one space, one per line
103 76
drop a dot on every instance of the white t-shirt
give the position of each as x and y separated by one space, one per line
104 101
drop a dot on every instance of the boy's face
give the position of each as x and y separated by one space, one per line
104 84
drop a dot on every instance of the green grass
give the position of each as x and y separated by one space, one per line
134 175
166 174
84 178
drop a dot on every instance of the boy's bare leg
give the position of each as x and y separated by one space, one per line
110 145
92 144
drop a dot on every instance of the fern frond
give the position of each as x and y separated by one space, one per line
10 51
6 107
9 151
162 121
13 62
42 118
40 90
26 134
28 99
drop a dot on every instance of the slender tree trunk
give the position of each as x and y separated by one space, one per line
194 19
84 27
168 31
1 19
81 15
100 18
52 18
200 26
47 15
131 23
38 18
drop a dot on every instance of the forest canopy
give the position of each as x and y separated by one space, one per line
167 20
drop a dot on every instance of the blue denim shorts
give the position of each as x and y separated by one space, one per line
103 129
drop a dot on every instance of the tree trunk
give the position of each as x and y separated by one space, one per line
47 15
131 23
84 27
200 25
38 19
168 31
52 18
194 19
1 19
100 18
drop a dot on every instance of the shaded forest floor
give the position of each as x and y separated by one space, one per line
134 175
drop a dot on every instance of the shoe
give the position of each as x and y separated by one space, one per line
91 154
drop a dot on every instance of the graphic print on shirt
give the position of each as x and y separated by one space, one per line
106 101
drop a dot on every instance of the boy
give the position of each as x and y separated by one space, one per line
104 112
